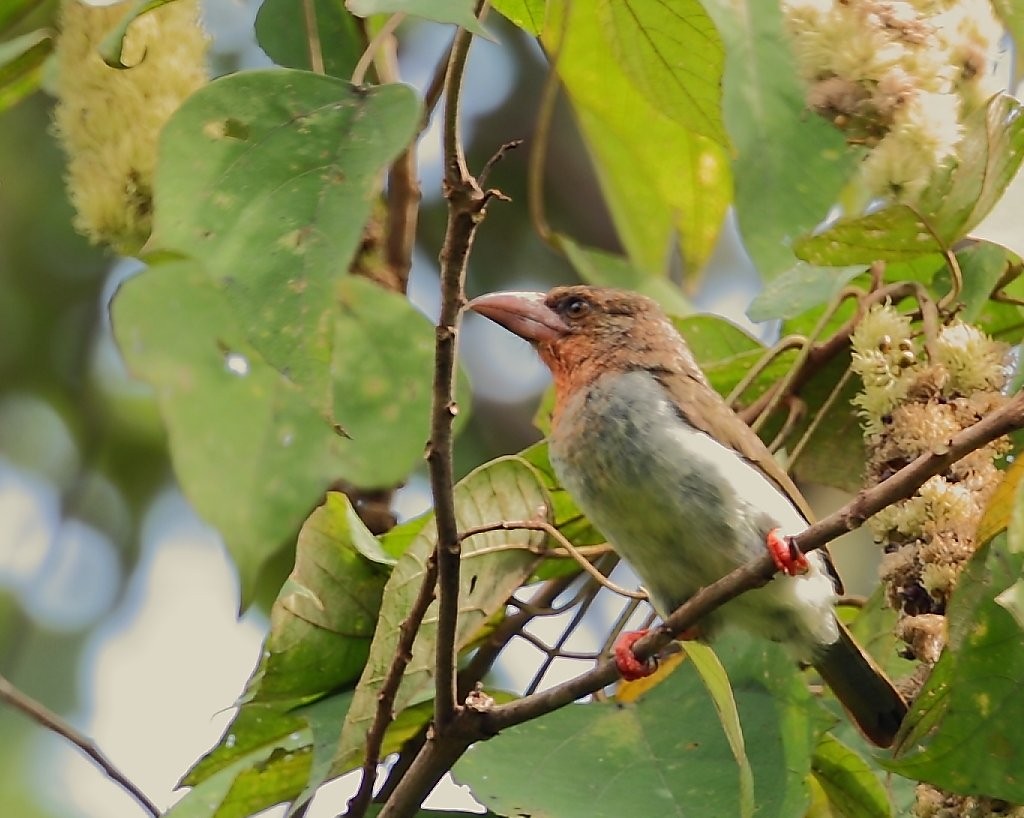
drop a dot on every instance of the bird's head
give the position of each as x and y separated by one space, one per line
583 331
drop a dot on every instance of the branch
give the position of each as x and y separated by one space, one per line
756 573
384 714
466 203
51 721
476 724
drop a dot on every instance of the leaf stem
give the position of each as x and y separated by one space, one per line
316 54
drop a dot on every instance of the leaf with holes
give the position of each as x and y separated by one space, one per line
268 178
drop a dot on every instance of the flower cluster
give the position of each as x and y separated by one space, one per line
897 76
108 119
914 402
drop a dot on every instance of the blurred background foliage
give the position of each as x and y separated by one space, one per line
82 451
88 499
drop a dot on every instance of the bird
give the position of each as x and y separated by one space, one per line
681 487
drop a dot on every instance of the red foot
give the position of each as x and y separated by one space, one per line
631 668
787 559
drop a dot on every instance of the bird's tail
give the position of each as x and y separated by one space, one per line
862 688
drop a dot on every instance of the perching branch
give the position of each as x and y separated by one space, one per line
476 724
51 721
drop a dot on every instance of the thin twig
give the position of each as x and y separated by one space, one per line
812 427
563 541
539 153
382 35
45 717
403 193
588 599
794 414
762 363
552 652
499 154
316 54
821 354
384 714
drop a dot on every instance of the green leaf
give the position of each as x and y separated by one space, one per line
674 56
666 754
262 759
957 199
326 613
609 270
664 184
281 32
790 167
800 288
982 265
112 46
962 733
249 451
852 788
528 15
268 178
1011 12
505 489
13 11
1002 224
21 65
726 353
716 681
457 12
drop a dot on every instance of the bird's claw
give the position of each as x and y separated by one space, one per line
787 557
631 668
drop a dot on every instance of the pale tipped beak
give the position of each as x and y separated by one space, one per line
525 314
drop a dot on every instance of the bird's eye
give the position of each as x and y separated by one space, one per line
575 308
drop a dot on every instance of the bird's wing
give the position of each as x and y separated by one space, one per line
697 402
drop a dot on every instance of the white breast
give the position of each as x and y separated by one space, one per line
683 509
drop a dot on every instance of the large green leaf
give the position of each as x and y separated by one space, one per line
672 53
21 65
852 788
506 489
526 14
664 183
963 733
268 178
250 452
281 32
320 630
666 754
325 615
988 157
790 166
263 758
800 288
726 353
458 12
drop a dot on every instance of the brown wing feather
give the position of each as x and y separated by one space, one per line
698 403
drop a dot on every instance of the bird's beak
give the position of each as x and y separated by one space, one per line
525 314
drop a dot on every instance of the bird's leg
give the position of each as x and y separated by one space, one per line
631 668
788 559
